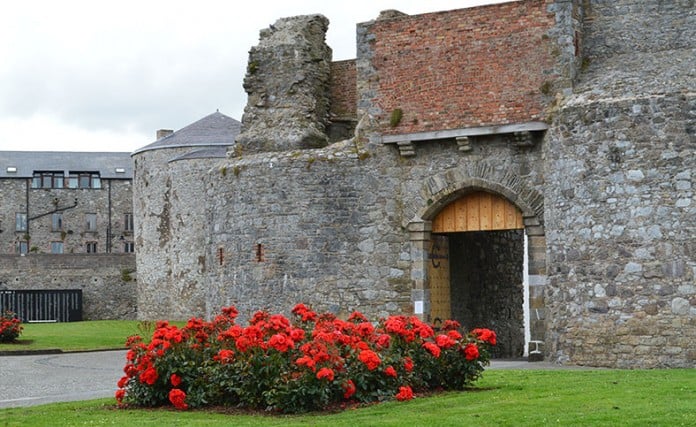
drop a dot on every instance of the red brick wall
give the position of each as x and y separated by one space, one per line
343 89
469 67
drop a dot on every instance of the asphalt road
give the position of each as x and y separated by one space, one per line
38 379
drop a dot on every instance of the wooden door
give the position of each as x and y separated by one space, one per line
478 211
439 276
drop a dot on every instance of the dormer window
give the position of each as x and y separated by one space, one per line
48 179
84 180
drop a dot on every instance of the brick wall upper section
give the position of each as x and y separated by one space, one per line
462 68
343 89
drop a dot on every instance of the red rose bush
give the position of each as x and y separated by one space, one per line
311 362
10 327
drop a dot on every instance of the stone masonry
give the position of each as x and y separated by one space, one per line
581 114
288 85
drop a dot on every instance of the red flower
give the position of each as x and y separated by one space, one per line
405 393
444 341
485 335
327 373
471 352
306 361
454 335
243 343
451 325
175 380
120 394
281 342
370 359
230 311
357 316
390 371
224 356
349 389
178 398
408 364
122 382
149 376
365 329
305 313
383 341
432 348
297 334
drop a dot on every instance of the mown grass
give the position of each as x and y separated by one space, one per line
77 336
501 398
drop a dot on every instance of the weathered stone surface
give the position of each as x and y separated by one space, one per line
287 82
606 195
108 281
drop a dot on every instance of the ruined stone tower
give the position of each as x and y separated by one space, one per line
288 85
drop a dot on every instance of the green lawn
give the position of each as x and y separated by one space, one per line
501 398
77 336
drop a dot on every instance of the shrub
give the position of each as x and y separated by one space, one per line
311 362
10 327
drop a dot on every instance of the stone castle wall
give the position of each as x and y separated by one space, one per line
171 230
107 281
329 227
606 195
620 200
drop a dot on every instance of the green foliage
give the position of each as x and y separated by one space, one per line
126 274
607 397
311 363
74 336
10 327
396 116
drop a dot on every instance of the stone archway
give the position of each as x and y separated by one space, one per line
440 193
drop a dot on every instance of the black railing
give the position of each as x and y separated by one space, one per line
43 305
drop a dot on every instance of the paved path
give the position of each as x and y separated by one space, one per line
39 379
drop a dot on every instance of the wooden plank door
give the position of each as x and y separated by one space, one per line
439 276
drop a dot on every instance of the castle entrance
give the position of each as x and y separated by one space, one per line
475 268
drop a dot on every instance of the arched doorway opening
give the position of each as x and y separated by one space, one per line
475 268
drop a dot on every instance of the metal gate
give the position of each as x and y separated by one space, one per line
43 305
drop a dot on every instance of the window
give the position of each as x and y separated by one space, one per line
128 247
57 222
47 180
21 222
22 247
128 222
84 180
56 247
91 247
91 222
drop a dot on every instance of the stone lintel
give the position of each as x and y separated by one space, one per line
456 133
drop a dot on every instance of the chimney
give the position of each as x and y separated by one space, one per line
164 132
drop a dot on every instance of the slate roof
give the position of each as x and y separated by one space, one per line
213 129
26 162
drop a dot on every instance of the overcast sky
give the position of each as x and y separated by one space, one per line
104 76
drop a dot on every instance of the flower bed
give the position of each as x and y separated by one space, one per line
310 363
10 327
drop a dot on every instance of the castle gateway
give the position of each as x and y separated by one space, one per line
525 166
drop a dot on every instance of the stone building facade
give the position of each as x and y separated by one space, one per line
66 222
525 166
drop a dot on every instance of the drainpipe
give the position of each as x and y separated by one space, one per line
108 228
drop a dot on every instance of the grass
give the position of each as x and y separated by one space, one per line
501 398
77 336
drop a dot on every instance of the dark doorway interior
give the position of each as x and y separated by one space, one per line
486 285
